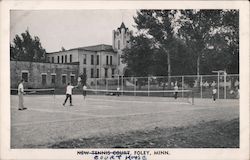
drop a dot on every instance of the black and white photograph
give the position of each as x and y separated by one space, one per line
145 79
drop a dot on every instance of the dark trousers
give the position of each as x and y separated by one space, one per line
214 97
70 98
175 95
84 93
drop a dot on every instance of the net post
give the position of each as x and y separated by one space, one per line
225 86
54 94
182 85
134 86
122 85
201 85
118 81
218 84
106 85
96 85
192 96
148 86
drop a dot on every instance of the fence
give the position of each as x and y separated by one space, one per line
227 85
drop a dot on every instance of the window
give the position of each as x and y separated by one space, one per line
84 59
106 72
107 60
53 79
92 59
84 70
113 72
44 76
97 73
92 73
65 58
52 59
25 76
70 58
110 60
63 79
58 59
62 59
48 59
72 79
97 60
118 44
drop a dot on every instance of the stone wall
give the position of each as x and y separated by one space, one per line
36 71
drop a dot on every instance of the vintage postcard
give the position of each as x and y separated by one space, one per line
125 80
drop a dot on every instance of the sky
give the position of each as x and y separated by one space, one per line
70 28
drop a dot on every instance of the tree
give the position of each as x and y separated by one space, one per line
25 48
212 36
196 29
139 57
158 24
168 54
226 41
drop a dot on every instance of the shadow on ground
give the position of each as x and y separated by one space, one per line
214 134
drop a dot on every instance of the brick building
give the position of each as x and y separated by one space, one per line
42 75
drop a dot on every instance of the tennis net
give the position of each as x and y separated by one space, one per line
170 95
45 91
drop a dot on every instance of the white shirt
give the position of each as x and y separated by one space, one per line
79 79
20 88
175 88
69 89
84 88
214 91
213 84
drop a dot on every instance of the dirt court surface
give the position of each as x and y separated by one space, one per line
47 123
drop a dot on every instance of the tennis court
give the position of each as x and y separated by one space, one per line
47 121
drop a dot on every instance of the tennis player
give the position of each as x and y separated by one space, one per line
176 91
118 91
214 91
79 79
84 88
69 94
20 95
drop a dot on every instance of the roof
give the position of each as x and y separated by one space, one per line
123 26
100 47
95 48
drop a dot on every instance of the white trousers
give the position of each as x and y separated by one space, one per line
20 104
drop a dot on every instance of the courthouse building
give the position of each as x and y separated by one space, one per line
98 61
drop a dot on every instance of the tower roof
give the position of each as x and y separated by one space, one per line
122 26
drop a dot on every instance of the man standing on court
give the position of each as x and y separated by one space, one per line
68 94
118 91
214 93
20 95
84 88
176 91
